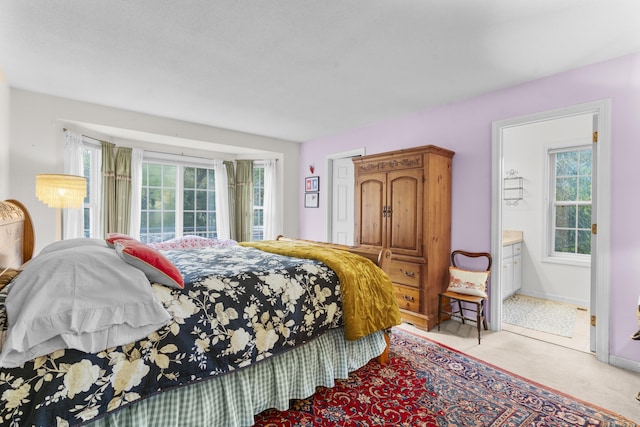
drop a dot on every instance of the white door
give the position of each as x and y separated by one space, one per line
342 202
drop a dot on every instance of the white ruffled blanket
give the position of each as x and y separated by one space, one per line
91 301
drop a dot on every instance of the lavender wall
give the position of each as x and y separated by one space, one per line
465 127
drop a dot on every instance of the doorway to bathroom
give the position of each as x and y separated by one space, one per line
543 282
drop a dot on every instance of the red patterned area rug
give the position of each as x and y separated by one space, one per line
427 384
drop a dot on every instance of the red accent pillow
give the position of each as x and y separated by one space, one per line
153 264
113 237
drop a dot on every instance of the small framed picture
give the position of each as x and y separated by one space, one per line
312 184
311 200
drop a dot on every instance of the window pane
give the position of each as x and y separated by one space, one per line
212 225
565 241
211 200
145 173
567 163
189 177
584 186
258 217
169 199
189 200
584 242
585 162
201 178
201 200
584 217
169 176
155 199
169 222
155 222
143 222
155 175
566 216
566 189
188 222
87 222
144 203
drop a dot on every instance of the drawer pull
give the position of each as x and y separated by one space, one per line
407 298
407 273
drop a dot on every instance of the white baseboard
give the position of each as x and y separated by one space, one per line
627 364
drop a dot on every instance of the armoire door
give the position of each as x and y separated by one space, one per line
405 194
370 198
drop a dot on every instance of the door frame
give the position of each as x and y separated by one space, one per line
329 158
600 266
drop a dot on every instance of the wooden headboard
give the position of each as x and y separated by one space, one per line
16 234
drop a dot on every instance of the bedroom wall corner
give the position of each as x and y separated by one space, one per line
4 136
37 145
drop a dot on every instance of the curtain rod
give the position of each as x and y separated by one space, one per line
161 154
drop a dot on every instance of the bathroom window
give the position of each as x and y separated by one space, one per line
570 202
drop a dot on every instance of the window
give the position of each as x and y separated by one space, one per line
158 204
199 205
258 202
570 202
91 206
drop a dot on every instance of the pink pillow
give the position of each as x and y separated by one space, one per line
112 237
153 264
190 242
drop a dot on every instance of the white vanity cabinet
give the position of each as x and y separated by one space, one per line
511 269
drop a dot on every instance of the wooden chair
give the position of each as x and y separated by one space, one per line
466 302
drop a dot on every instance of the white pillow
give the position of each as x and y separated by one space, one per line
81 297
468 282
72 243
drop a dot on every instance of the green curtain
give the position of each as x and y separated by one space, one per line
123 190
244 200
231 183
108 188
116 189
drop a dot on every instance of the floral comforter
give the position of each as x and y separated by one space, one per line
239 306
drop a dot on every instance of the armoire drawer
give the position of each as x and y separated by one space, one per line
406 273
408 298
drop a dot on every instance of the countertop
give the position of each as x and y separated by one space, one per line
510 237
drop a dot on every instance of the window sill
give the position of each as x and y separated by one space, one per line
568 261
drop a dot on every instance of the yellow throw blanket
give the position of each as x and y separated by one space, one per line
368 300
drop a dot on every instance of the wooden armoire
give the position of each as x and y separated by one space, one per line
403 202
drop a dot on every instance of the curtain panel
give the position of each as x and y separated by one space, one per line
108 188
116 188
231 197
123 189
73 219
222 196
244 200
270 207
137 154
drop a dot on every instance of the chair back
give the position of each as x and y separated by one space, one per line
459 254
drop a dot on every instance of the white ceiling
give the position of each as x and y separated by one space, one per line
300 69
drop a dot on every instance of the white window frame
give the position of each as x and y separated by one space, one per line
550 255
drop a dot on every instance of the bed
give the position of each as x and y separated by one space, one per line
207 335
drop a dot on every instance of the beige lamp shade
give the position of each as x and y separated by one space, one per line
61 191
